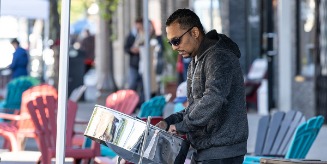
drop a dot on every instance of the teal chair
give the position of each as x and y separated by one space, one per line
153 107
301 142
15 89
104 150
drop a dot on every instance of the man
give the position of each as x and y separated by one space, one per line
132 46
20 60
215 122
87 47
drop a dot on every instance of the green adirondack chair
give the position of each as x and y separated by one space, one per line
15 89
153 107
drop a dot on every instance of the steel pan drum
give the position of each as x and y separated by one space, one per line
125 135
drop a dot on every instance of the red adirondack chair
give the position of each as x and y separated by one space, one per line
43 112
21 127
154 119
123 101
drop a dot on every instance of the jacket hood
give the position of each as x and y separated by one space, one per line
224 42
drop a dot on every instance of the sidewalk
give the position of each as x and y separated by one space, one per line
317 151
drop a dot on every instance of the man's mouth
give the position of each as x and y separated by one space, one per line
181 52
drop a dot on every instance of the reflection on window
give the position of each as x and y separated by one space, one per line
305 37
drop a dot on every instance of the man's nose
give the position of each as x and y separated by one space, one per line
175 48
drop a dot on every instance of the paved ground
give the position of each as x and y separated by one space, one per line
318 150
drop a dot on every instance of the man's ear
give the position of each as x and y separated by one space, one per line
195 32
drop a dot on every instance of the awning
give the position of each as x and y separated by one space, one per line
33 9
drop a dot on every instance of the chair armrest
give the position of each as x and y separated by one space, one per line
251 159
81 122
10 116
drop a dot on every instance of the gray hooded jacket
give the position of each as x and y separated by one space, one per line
216 120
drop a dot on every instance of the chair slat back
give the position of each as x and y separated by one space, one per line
124 101
25 124
276 131
298 119
15 89
153 107
304 137
43 113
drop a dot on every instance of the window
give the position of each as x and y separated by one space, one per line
305 22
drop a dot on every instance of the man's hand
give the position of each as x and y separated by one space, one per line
135 50
162 125
172 129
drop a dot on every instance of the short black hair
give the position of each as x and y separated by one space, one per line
186 18
139 20
14 41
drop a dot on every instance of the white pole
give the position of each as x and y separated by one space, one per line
211 14
62 83
285 55
146 74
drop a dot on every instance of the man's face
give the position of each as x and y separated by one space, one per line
184 44
14 45
139 26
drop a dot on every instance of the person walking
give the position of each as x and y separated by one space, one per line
20 60
88 49
133 42
215 121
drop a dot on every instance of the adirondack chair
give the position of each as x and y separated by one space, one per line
43 113
124 101
296 148
78 137
77 93
15 89
21 126
153 107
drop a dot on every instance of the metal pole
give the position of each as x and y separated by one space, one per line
146 74
211 14
62 82
270 52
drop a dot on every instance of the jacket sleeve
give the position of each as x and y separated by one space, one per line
14 62
175 118
218 70
129 43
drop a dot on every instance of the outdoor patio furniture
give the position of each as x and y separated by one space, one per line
19 127
15 89
280 140
124 101
43 112
153 107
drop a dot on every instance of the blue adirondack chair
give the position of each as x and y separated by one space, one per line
153 107
300 144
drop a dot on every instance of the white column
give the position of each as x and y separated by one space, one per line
285 24
63 80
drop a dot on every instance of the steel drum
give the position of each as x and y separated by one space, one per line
133 139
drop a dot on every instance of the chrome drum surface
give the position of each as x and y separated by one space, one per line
124 135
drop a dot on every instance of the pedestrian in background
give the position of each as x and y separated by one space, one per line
215 122
20 60
88 49
134 41
180 102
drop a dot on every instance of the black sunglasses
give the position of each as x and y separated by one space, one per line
177 41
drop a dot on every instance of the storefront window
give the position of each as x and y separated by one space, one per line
305 37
